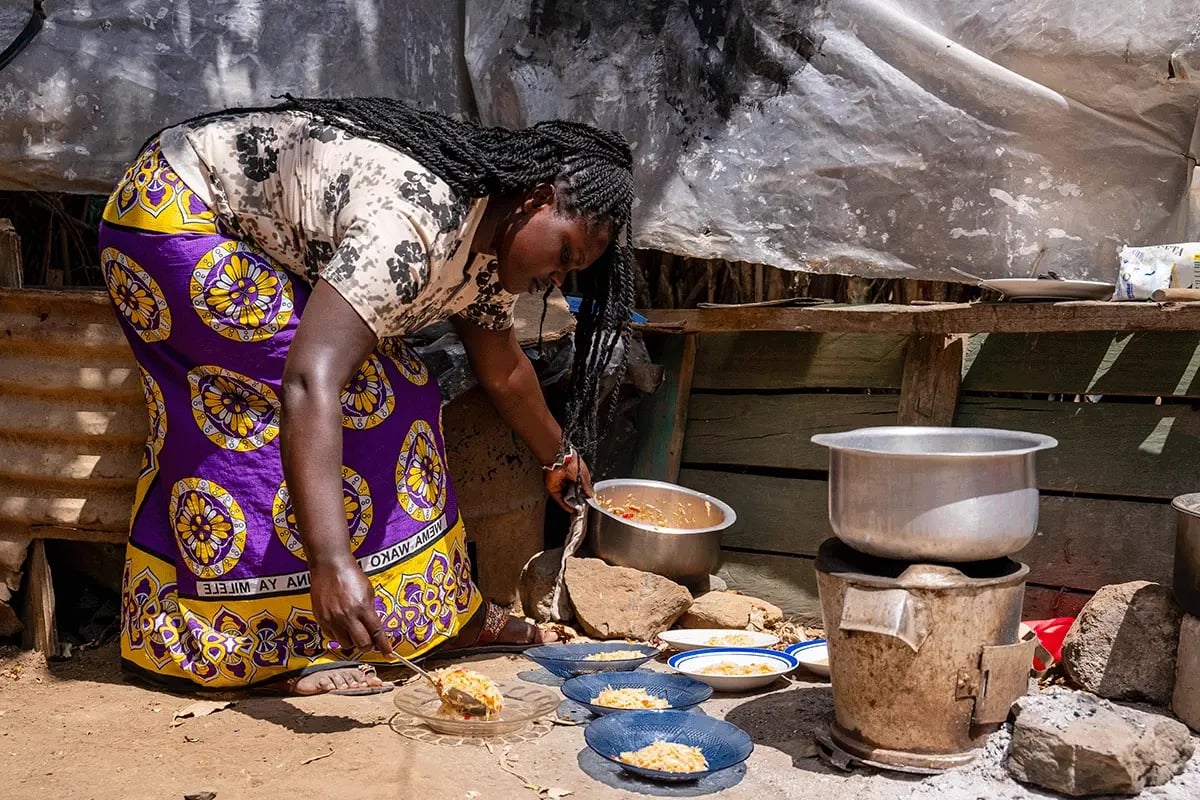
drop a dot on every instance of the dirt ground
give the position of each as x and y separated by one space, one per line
77 729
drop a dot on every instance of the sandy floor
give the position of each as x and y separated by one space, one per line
77 730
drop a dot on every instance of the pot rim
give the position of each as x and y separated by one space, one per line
1187 504
726 509
834 441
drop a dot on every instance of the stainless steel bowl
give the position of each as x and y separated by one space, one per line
685 550
934 494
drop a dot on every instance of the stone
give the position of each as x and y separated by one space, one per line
1078 744
623 603
731 610
1122 645
12 558
536 587
1186 700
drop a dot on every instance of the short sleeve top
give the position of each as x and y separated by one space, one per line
386 233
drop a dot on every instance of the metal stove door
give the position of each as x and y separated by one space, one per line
1003 677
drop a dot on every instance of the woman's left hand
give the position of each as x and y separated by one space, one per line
560 479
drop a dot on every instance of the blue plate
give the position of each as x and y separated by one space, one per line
568 660
724 744
680 691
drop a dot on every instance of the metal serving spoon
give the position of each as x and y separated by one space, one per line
456 698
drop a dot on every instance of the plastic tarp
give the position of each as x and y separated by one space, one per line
892 139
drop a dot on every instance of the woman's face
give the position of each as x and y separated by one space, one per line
540 247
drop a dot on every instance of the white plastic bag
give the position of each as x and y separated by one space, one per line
1162 266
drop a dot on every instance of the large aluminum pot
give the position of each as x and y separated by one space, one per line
685 549
934 494
1187 552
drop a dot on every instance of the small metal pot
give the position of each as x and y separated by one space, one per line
934 494
1187 552
687 555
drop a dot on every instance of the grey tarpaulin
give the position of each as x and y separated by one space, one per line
880 138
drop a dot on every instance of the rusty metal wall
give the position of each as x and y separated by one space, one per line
72 425
72 418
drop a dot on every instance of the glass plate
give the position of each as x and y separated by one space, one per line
522 704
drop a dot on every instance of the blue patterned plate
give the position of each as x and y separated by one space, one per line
724 744
680 691
568 660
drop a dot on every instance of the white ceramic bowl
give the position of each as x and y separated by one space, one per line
700 638
694 662
813 656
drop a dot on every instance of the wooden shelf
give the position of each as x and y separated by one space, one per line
933 318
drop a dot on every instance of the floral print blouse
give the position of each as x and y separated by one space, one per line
386 233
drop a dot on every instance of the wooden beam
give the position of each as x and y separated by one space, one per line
932 375
934 318
1122 450
41 622
662 417
11 273
757 361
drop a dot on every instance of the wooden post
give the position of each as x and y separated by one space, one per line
41 622
662 419
10 256
932 376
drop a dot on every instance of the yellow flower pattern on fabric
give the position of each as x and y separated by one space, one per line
411 365
234 411
136 296
367 398
151 196
209 526
420 475
239 293
356 498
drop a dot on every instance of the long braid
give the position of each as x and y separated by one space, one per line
591 170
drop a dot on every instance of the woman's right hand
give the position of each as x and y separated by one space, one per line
344 604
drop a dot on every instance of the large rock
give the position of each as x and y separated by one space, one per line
1186 700
1077 744
622 603
1122 646
731 610
12 557
536 587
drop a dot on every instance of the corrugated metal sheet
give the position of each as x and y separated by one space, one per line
72 422
72 425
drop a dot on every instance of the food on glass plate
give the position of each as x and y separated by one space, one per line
475 684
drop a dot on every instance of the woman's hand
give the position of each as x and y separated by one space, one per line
561 479
344 604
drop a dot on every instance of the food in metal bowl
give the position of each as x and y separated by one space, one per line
628 698
667 757
630 508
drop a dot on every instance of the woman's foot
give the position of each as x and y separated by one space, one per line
335 679
492 625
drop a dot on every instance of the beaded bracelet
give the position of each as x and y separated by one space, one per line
563 460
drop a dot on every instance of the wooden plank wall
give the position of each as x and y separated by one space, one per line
1123 408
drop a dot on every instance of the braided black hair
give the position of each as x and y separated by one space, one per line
591 170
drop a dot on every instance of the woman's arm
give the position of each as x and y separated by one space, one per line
331 342
509 379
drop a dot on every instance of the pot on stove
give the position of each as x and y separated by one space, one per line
934 494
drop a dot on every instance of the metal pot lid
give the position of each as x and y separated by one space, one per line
838 559
1187 503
